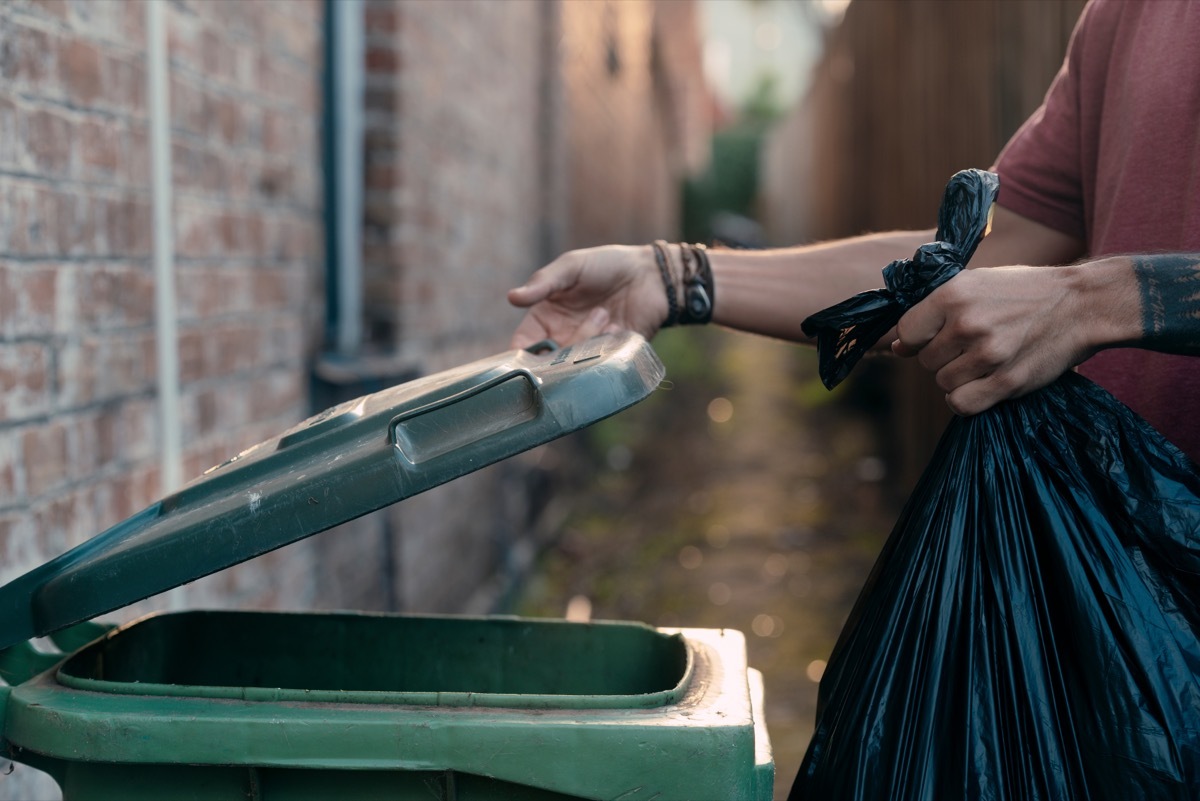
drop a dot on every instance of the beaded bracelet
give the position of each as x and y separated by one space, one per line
697 285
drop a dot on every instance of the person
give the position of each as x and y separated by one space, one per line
1093 259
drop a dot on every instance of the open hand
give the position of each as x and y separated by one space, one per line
583 293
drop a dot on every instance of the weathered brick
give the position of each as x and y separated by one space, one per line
100 146
133 22
49 138
134 490
118 296
382 58
12 476
29 58
105 367
189 112
128 225
273 288
79 64
45 457
28 299
192 362
226 120
45 221
135 161
137 430
124 83
20 550
11 145
380 18
77 218
206 291
25 380
57 518
57 9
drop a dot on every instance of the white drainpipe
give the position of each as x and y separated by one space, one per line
166 312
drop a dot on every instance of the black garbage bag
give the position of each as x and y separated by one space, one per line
1031 629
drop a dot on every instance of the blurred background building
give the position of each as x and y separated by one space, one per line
345 190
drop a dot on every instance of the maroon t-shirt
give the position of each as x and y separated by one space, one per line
1113 158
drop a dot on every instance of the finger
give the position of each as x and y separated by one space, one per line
984 392
962 370
977 396
592 325
542 284
919 325
934 355
535 290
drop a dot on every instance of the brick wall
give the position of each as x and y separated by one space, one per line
78 411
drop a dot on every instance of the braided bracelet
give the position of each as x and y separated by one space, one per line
660 256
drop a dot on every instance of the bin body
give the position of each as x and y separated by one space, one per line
271 705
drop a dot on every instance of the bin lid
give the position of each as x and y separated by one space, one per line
351 459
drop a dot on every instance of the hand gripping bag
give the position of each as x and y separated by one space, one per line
1031 629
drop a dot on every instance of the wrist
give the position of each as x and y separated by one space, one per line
1106 306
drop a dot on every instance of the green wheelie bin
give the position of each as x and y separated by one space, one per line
294 705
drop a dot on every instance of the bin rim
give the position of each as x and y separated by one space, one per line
566 701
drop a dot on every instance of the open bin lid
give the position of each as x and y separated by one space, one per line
351 459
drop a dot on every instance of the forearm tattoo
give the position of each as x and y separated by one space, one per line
1170 288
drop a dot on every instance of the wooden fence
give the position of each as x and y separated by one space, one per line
907 93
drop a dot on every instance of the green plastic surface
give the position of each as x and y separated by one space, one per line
700 737
350 460
362 658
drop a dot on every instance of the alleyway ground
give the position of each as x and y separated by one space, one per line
740 495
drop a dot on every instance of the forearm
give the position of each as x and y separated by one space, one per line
771 292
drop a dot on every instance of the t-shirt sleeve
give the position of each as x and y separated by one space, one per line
1040 166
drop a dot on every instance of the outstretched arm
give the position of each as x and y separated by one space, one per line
585 292
770 292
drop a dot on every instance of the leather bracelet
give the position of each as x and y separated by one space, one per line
698 291
660 257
